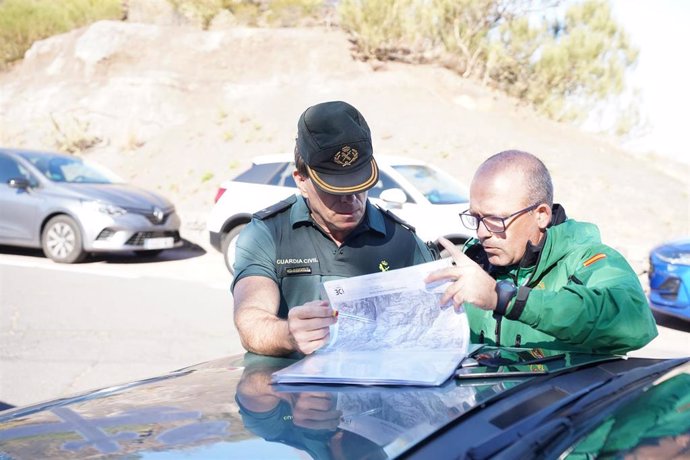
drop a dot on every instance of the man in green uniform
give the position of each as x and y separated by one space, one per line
536 279
330 231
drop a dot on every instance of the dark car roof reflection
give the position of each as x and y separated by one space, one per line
229 409
221 406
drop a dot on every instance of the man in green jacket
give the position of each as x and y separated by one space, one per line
532 277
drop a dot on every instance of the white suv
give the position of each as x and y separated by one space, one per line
417 192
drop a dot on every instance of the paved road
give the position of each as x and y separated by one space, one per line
68 328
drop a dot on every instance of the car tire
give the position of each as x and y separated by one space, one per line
61 240
228 246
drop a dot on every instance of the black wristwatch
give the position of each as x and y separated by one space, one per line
506 290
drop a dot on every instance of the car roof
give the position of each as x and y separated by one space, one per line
681 243
39 153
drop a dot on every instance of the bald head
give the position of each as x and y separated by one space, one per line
534 178
512 187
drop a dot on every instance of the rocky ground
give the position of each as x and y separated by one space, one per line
178 110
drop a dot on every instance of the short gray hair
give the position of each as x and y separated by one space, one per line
537 177
300 165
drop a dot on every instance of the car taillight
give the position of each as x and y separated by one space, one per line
219 193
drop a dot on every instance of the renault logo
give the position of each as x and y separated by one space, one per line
158 215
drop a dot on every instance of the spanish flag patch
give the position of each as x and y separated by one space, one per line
593 259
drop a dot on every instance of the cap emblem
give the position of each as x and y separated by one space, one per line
346 156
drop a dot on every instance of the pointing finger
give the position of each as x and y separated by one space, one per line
458 256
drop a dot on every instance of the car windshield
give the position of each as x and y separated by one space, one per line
655 425
436 186
71 170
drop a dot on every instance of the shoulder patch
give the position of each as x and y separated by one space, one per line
593 259
395 218
275 208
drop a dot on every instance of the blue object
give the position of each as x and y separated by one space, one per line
669 279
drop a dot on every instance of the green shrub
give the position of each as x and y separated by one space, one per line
290 13
255 13
387 29
23 22
203 10
566 68
562 66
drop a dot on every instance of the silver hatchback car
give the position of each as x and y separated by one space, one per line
70 207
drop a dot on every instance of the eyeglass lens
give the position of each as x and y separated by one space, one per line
492 224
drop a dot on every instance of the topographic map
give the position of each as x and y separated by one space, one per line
391 330
395 310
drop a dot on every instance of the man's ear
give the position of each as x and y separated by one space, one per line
301 183
543 212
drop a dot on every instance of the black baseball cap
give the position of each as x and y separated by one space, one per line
334 141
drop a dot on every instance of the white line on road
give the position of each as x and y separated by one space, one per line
91 270
209 274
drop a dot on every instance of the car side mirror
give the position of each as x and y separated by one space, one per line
393 196
19 183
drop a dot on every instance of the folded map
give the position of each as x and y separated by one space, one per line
391 330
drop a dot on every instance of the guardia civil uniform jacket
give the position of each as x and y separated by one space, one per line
575 293
283 243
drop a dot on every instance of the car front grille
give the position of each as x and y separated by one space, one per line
138 238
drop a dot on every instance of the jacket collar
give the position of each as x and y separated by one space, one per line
373 219
532 251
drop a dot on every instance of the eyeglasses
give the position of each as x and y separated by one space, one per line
493 224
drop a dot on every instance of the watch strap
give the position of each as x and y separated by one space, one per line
505 291
520 302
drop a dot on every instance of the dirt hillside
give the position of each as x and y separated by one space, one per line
179 110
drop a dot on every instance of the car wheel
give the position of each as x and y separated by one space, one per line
228 246
61 240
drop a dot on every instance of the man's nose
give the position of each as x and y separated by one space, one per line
483 232
347 198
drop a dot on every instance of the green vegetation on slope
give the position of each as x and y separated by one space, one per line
562 61
255 13
23 22
561 65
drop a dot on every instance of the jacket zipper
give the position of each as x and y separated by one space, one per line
497 331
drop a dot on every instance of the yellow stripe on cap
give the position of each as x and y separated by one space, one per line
593 259
366 185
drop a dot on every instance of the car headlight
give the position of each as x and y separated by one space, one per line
673 255
105 208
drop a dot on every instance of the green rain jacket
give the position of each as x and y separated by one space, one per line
580 295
